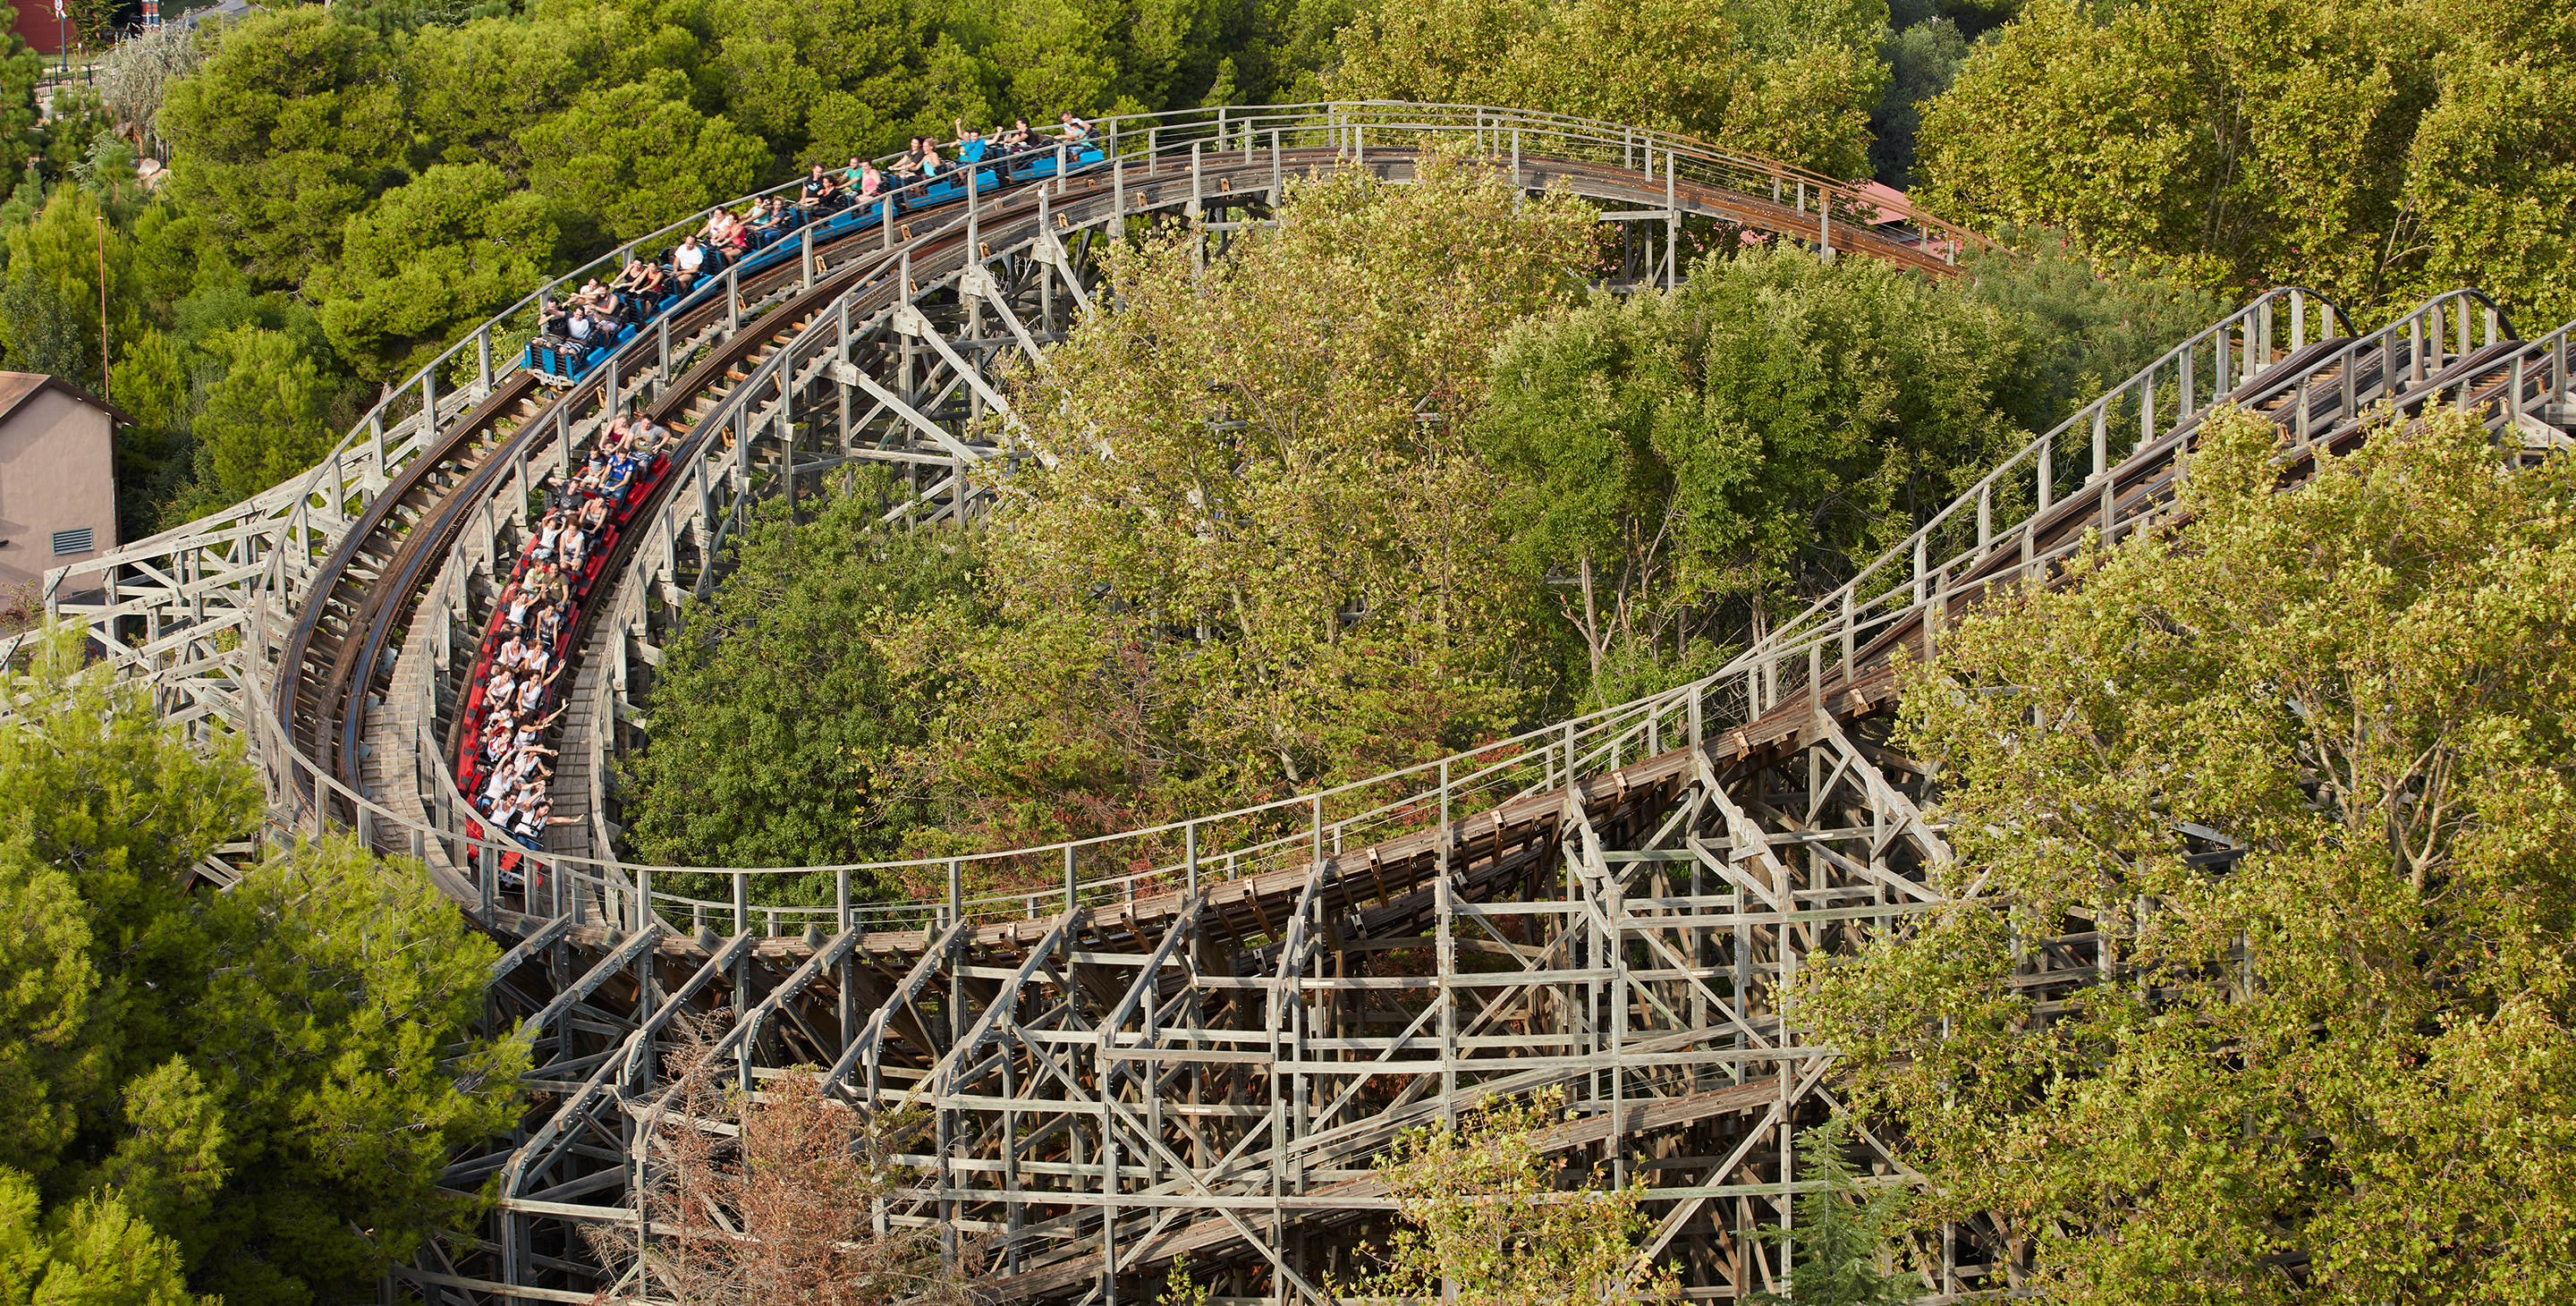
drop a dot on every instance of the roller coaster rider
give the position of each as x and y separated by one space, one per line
587 504
907 169
821 194
571 342
687 261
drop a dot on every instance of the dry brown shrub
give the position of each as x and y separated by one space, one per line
776 1198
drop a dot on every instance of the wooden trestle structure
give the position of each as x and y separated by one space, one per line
1199 1044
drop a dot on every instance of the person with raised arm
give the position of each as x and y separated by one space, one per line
631 279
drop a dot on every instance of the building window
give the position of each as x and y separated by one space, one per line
78 541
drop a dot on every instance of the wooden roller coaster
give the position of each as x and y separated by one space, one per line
1201 1041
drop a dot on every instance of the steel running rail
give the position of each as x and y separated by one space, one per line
1209 1068
2000 513
192 592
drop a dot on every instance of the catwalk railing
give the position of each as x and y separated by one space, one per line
2000 512
1812 650
2011 507
315 506
199 609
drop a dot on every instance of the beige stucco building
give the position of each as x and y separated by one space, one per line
57 480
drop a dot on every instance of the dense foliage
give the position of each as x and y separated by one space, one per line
775 718
2379 150
353 188
1794 81
1689 465
1484 1217
2337 1065
1381 484
1729 445
1260 525
249 1094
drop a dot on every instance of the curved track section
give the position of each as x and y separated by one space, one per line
1198 1044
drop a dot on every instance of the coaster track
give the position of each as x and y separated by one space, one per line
1198 1045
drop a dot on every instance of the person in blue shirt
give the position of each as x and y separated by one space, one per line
621 474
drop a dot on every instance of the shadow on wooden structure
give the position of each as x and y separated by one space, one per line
1202 1041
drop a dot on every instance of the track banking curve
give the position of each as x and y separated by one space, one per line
1196 1045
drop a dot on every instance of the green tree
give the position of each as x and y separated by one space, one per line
1052 55
61 1049
637 156
774 722
289 127
1792 80
19 69
49 303
1261 554
1922 62
108 796
1692 461
471 89
169 1160
1842 1234
840 75
171 255
431 260
2086 325
263 416
152 386
2334 1062
2490 194
95 1253
2379 150
389 17
338 1032
260 1086
1485 1219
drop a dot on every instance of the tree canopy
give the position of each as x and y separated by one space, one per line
775 722
2332 1064
2378 150
1259 533
1687 465
249 1094
1793 79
